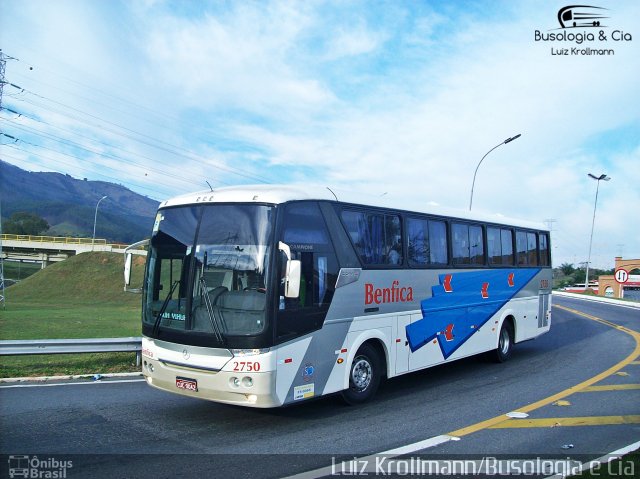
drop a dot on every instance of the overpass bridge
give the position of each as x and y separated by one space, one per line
51 249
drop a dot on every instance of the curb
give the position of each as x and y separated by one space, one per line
66 378
599 299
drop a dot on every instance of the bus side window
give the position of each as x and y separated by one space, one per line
506 238
427 241
544 249
460 240
532 249
418 238
500 246
494 246
521 247
476 245
377 237
468 244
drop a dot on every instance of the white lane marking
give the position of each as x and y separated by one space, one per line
587 466
370 461
118 381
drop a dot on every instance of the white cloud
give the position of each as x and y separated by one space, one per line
239 61
399 98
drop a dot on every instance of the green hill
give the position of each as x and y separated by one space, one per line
87 278
81 297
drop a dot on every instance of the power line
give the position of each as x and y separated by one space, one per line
92 151
174 150
187 179
129 103
110 179
140 137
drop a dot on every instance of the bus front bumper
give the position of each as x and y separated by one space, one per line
254 389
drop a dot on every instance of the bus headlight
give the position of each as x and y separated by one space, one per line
249 352
247 382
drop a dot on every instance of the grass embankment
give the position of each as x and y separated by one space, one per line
81 297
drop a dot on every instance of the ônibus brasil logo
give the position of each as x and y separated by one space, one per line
580 24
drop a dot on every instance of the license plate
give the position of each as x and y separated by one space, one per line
186 383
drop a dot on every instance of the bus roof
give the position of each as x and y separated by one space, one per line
278 194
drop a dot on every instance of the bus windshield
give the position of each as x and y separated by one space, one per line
207 272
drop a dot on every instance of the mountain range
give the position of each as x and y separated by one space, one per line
68 204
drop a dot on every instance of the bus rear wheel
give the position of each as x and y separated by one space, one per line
364 375
505 343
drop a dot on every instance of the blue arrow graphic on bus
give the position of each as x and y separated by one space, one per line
462 303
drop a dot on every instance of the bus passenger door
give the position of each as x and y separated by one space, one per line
402 347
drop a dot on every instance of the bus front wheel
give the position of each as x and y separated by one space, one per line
505 343
364 375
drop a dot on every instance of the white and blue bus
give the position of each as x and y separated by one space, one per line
265 296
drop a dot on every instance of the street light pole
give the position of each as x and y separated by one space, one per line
485 155
593 222
95 219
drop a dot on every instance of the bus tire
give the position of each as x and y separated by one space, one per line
365 375
505 343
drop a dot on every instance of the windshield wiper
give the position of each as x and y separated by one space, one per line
216 325
156 325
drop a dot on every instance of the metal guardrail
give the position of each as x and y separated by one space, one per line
54 239
70 346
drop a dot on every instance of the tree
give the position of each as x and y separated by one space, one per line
567 269
23 223
579 276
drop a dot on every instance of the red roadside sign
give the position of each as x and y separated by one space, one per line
621 275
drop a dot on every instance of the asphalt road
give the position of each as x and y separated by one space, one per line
127 429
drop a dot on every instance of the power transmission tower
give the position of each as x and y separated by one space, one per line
3 61
2 302
2 64
549 222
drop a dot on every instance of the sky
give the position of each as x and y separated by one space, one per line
398 98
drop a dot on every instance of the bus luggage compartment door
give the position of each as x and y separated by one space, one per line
402 348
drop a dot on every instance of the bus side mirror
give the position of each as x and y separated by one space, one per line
127 269
292 282
129 251
292 273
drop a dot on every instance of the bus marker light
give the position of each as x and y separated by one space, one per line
288 360
398 340
340 361
344 350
